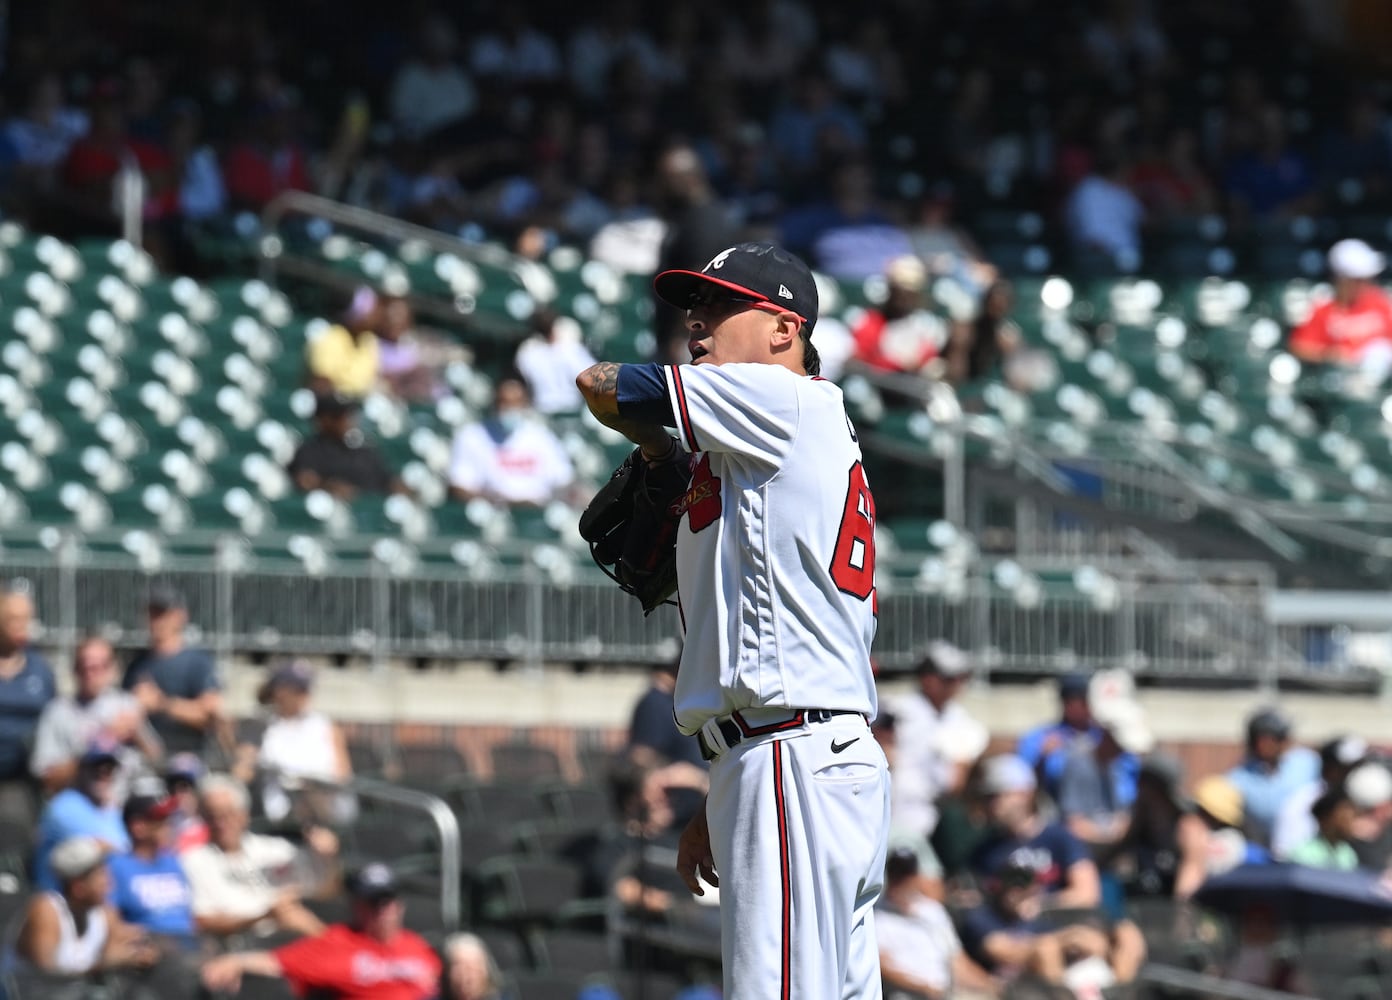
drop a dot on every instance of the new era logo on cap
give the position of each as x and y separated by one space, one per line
764 272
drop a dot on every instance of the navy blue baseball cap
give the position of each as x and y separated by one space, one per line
762 272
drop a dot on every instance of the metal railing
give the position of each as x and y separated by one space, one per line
1150 618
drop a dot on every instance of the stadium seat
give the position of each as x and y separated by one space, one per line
503 802
526 892
431 765
521 762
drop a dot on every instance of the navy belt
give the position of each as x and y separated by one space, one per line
734 730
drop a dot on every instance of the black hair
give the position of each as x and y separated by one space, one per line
1328 802
811 360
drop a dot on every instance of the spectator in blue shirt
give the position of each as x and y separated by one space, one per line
26 687
150 889
1048 747
1022 836
87 809
177 686
1272 771
673 761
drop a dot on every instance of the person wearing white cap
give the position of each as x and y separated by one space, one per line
1295 823
1089 797
1369 785
1064 866
1354 328
931 731
73 932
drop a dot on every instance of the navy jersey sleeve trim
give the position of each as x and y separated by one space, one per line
641 393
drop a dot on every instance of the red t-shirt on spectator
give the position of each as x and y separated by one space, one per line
254 175
348 965
91 162
1342 333
871 348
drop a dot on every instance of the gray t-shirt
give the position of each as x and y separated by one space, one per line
1085 789
67 727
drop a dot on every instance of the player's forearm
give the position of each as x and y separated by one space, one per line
599 385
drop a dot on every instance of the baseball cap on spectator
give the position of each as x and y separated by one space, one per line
373 882
1268 722
1126 723
961 739
1343 751
296 675
763 272
1369 785
944 659
1355 259
187 766
99 752
1221 799
149 800
1014 874
76 856
907 272
1074 685
1007 773
900 863
164 597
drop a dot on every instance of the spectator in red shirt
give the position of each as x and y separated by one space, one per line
1354 328
373 957
94 161
901 335
270 160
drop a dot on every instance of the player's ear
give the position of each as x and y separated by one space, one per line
785 331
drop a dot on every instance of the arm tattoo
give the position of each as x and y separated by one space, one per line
599 384
605 378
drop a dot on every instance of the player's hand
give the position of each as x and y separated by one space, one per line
694 854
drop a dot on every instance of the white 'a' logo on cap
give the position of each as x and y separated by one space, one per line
784 293
718 261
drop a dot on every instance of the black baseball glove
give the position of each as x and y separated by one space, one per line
631 525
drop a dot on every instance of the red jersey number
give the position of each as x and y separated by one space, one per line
853 562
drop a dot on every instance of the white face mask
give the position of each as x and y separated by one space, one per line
510 420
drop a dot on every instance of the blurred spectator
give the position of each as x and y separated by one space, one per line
515 50
931 727
850 237
26 688
346 357
929 877
338 458
1271 772
1267 177
980 348
299 744
813 122
1010 936
1095 781
920 954
1048 747
430 93
1219 804
1332 845
176 684
94 162
202 194
1061 863
618 867
757 49
1295 823
868 64
1126 41
550 359
600 44
628 235
1354 328
71 931
511 456
1164 848
149 888
408 363
945 248
271 159
87 809
1103 215
182 774
1369 785
470 971
699 227
1169 180
1356 152
98 710
902 335
655 742
44 134
246 882
372 957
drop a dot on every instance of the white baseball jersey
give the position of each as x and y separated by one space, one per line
776 553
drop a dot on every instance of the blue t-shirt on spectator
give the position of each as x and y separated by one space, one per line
187 674
1050 853
153 894
71 814
1264 791
22 701
1124 770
